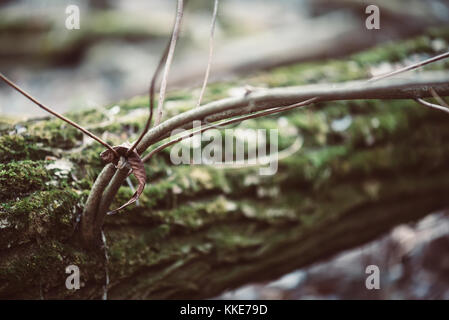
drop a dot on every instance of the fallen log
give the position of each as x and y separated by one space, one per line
364 167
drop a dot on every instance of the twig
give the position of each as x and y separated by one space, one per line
411 67
211 52
49 110
151 92
227 122
174 38
432 105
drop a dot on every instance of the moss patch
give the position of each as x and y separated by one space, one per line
22 177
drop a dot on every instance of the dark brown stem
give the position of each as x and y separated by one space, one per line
60 116
88 221
109 194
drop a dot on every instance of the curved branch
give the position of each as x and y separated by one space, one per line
404 88
88 221
225 123
109 194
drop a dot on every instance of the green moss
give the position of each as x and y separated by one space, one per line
22 177
189 215
42 214
313 72
179 184
34 267
230 238
34 271
312 166
88 116
56 133
89 156
16 147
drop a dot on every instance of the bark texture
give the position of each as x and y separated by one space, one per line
364 167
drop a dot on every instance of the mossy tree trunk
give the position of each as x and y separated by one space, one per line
364 167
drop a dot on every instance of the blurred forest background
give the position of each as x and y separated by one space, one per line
114 53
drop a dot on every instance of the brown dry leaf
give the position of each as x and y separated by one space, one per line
137 166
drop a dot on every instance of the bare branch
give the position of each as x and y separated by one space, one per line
404 88
211 52
174 38
51 111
